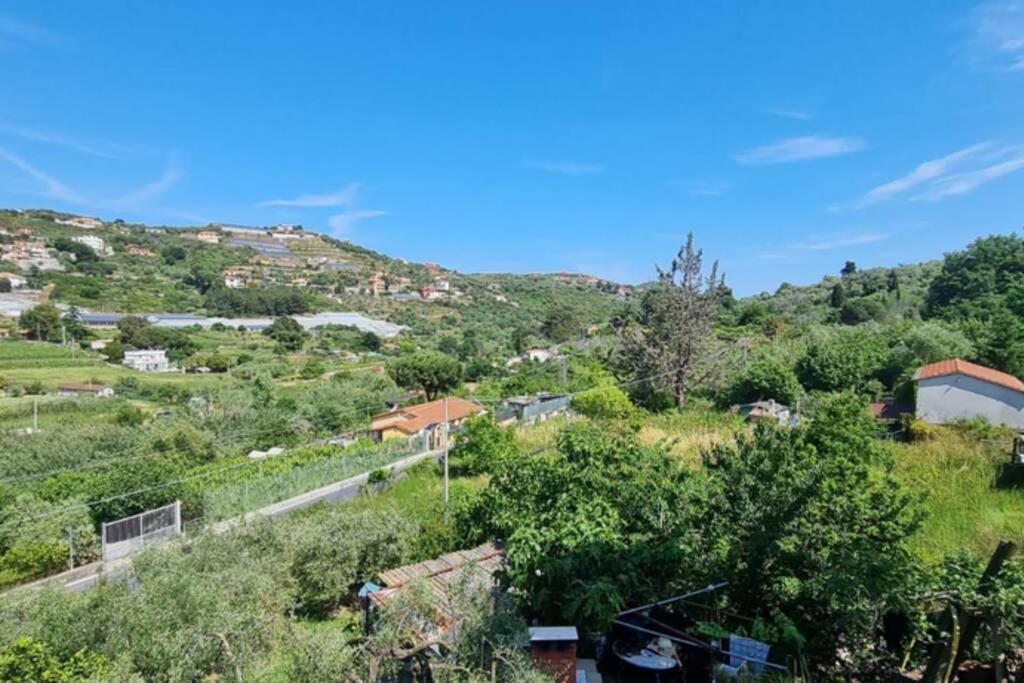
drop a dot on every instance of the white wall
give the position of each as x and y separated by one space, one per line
953 397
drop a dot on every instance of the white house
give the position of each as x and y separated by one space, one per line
95 243
76 389
951 390
146 360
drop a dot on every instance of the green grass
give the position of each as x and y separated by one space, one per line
965 507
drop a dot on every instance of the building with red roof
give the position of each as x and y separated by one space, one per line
424 420
956 389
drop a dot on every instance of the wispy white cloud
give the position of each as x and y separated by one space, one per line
842 241
171 176
18 33
52 187
344 223
999 35
964 183
572 168
795 114
104 150
922 173
829 243
801 149
342 197
58 190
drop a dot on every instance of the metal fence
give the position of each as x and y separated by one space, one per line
125 536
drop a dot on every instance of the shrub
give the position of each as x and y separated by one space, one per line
765 378
480 446
607 403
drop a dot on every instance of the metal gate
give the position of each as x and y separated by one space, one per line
125 536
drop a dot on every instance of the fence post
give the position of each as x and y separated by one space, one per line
71 547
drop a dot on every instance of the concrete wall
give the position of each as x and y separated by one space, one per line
954 397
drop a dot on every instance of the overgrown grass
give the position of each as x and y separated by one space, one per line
688 432
966 508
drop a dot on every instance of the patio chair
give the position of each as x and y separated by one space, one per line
746 659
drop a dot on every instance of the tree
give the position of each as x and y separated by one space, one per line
370 341
849 268
591 528
431 371
129 326
765 378
287 332
5 285
82 253
838 296
520 340
28 660
481 445
42 322
892 284
667 350
842 359
860 311
808 523
173 253
561 325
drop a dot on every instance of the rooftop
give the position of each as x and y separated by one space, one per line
958 366
412 419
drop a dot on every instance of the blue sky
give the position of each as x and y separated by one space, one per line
531 136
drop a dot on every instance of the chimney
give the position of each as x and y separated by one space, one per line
554 648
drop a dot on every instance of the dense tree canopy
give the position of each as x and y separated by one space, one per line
431 371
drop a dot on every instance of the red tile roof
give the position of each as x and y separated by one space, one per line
414 418
957 366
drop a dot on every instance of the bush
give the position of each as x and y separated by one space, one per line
765 378
480 446
604 403
328 559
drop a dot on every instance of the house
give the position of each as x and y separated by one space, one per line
73 389
955 389
236 278
208 236
428 292
17 281
146 360
136 250
377 283
535 354
442 285
764 411
84 222
98 344
532 409
425 420
95 243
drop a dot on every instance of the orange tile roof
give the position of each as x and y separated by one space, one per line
414 418
958 366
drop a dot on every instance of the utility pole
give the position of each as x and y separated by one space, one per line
446 451
35 414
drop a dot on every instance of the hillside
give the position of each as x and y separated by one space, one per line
855 296
231 271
